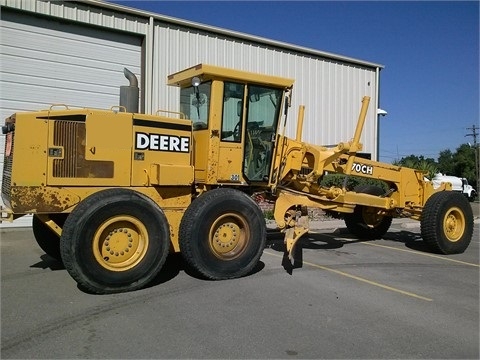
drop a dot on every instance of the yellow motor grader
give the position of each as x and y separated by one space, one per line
112 192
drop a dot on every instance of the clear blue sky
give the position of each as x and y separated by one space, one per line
430 50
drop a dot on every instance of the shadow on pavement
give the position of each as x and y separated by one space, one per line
48 262
340 238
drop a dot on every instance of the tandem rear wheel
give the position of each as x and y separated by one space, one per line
115 240
222 234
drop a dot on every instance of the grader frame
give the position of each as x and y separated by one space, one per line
308 163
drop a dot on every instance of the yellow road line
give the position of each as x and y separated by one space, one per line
409 251
423 254
358 278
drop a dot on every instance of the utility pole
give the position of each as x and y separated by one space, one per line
474 133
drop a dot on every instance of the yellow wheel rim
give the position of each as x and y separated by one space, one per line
454 224
371 217
228 236
120 243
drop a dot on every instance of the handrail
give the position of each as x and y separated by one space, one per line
182 115
119 108
54 105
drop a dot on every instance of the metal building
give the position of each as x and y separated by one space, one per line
74 52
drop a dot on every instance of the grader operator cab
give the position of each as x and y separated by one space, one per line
113 192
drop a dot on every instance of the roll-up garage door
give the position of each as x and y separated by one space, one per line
44 61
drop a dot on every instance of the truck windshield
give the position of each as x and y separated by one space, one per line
195 104
263 110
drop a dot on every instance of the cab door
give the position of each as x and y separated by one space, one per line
231 134
263 113
249 124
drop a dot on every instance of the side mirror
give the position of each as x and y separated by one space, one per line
288 98
288 101
196 83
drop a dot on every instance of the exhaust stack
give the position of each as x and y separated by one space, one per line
129 94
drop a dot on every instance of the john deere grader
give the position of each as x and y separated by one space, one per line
112 207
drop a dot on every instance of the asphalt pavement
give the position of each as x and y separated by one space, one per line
348 299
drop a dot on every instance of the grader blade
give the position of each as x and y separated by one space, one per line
292 235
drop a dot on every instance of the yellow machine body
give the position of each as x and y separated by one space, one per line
59 157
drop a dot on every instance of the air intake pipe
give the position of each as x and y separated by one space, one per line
129 94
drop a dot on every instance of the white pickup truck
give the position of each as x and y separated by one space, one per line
458 184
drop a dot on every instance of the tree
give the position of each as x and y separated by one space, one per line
420 163
464 163
460 163
446 164
430 167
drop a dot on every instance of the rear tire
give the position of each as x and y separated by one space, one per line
115 240
365 222
48 240
447 222
222 234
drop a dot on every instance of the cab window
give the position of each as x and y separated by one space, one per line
195 104
232 112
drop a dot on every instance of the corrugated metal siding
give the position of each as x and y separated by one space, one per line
331 90
44 62
84 13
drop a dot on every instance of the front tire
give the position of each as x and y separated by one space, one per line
222 234
447 222
365 222
115 240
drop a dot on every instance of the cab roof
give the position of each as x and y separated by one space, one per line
209 72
